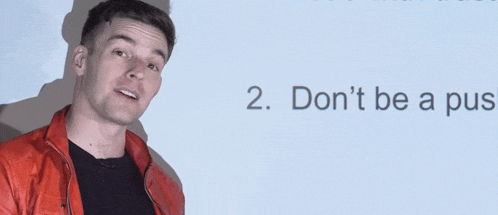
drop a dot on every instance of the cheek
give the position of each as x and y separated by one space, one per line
156 85
90 81
98 81
95 82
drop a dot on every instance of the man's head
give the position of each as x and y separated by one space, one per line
132 9
119 63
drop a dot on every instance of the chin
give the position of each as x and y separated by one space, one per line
121 114
123 122
122 118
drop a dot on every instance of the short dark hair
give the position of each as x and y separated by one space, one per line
133 9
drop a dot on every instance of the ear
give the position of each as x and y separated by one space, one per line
80 56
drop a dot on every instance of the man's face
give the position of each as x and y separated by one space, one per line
123 73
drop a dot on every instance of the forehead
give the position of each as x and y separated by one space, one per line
141 33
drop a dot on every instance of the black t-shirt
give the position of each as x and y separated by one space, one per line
109 186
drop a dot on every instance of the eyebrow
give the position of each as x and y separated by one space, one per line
123 37
129 40
161 53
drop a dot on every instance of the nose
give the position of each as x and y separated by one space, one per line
137 70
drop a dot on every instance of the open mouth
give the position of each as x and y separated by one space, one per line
128 94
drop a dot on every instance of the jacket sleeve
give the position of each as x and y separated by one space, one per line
8 205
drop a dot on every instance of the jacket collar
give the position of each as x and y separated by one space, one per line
57 135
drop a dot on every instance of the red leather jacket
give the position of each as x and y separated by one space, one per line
37 175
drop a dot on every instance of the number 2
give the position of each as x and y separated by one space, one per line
250 105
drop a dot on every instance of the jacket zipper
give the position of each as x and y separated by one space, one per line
70 175
148 194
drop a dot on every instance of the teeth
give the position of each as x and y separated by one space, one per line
128 94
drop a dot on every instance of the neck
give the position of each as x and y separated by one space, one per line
99 138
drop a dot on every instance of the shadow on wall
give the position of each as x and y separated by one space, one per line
29 114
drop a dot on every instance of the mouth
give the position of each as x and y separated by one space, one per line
128 94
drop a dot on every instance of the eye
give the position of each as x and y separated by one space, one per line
153 67
120 53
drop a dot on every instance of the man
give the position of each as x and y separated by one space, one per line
85 161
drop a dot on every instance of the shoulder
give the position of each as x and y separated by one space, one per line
164 166
137 144
165 190
20 158
24 143
30 173
26 147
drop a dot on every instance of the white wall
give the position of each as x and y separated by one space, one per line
232 160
